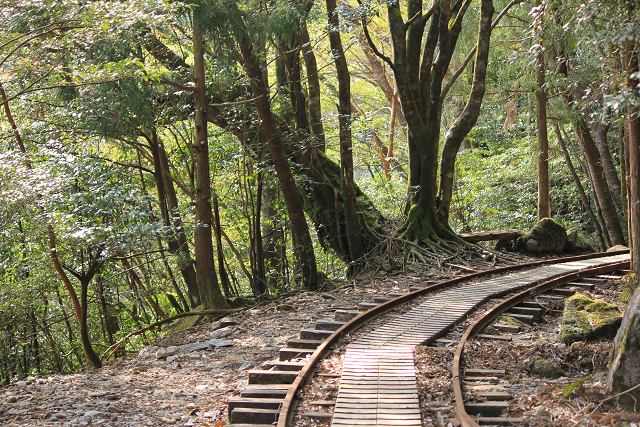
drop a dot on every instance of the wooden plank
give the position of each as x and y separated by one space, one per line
314 334
486 409
328 325
317 415
254 416
283 365
271 377
486 372
248 402
287 353
344 315
303 343
493 395
499 421
494 337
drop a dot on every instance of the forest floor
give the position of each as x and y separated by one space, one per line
192 389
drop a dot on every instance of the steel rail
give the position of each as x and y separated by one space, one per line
286 412
465 419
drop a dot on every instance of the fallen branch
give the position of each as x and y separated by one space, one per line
615 396
108 352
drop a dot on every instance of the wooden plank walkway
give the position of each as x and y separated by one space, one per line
378 385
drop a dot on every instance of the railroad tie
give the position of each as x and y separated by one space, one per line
378 386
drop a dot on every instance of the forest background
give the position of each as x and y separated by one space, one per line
160 157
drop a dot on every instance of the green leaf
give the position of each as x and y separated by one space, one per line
566 392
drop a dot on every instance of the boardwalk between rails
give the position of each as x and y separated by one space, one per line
378 385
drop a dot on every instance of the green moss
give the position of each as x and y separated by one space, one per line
584 319
546 236
578 243
546 369
578 300
512 320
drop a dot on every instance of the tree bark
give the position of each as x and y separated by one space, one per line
206 277
356 246
313 83
624 370
178 243
600 128
544 202
467 119
594 163
419 78
304 249
578 184
600 186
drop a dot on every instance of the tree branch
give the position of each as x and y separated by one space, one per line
117 345
459 71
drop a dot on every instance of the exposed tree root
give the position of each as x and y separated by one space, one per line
394 252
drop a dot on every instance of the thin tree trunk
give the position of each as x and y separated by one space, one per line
544 203
600 186
205 271
467 119
313 82
304 249
224 278
600 129
179 245
578 184
594 162
127 266
594 196
356 246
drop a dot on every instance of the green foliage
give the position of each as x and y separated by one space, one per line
568 390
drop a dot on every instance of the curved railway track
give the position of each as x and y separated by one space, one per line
378 382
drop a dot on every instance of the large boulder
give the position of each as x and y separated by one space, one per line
547 236
578 243
585 318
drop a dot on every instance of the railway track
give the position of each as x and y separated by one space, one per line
378 382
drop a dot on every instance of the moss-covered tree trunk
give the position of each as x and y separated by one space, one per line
420 79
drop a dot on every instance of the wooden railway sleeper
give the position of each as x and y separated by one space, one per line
492 410
277 389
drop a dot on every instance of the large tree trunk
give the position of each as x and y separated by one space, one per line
624 372
304 248
420 82
205 270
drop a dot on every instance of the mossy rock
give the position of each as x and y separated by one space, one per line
578 243
547 236
585 318
512 321
546 369
506 245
